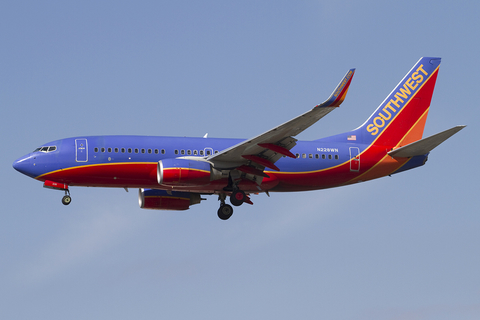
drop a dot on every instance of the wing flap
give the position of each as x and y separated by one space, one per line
424 146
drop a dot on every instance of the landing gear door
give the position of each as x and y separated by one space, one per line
81 150
354 159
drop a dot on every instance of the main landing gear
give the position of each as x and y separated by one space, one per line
66 198
237 198
225 211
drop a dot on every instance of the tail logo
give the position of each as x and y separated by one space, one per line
398 99
342 85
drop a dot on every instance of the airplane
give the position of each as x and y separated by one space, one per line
173 173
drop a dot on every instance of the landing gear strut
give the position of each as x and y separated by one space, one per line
225 211
66 198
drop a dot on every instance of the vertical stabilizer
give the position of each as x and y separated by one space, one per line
400 119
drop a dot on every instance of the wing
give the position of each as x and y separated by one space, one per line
253 155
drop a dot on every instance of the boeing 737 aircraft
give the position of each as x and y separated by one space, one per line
172 173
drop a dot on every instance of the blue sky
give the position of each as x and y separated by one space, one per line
405 247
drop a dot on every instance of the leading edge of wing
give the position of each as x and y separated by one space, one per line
287 129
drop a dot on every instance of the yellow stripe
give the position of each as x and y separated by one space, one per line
380 161
413 126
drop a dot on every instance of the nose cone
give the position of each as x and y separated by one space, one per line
24 165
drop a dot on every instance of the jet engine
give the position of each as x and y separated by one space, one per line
186 172
166 200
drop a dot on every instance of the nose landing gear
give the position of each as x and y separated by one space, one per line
59 186
66 198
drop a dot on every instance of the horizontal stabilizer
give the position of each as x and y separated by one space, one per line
424 146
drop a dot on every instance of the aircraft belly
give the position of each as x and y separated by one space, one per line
106 175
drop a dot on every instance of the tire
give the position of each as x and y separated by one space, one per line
237 198
225 212
66 200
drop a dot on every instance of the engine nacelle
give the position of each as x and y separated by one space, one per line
166 200
185 172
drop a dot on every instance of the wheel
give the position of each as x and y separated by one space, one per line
66 200
237 197
225 212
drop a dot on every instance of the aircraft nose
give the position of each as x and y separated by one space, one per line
24 165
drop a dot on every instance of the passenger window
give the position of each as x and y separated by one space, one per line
317 156
163 151
116 150
189 152
156 151
136 150
176 151
143 150
182 151
330 156
103 149
109 149
209 152
195 152
96 149
298 155
123 150
336 157
310 156
216 151
201 152
323 156
129 150
304 155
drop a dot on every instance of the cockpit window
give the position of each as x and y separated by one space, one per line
46 149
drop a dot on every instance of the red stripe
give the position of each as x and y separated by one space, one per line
409 115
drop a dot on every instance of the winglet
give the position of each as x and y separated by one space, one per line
338 95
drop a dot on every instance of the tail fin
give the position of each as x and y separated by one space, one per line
400 119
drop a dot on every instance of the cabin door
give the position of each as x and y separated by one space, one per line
354 159
81 150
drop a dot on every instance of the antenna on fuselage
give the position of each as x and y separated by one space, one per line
206 134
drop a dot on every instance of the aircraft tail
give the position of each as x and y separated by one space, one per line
400 118
424 146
